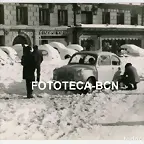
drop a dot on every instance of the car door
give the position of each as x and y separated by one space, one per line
116 64
104 68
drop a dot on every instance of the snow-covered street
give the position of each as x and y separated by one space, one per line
60 115
116 115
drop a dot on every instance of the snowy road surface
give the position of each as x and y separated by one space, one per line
116 115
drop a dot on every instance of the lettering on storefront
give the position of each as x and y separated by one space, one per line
52 33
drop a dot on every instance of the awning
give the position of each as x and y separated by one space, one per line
85 38
122 38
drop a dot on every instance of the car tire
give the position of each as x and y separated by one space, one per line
92 83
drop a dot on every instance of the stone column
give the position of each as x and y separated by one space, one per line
113 17
36 37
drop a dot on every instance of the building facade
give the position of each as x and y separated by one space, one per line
90 25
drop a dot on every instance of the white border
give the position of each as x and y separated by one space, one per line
134 2
71 142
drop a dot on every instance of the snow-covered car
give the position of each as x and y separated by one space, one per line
75 47
89 66
133 50
4 58
11 53
63 51
49 52
19 49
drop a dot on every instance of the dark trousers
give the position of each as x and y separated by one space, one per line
38 69
29 87
130 85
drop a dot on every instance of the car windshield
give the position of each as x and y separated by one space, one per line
87 59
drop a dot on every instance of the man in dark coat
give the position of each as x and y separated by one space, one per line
28 63
38 58
130 77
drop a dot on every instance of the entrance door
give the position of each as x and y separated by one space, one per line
104 67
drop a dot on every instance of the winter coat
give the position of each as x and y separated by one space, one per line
38 57
29 65
132 75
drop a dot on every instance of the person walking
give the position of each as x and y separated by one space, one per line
28 63
130 78
38 58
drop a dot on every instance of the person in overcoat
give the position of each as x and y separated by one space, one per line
29 65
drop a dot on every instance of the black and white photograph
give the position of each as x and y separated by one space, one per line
71 71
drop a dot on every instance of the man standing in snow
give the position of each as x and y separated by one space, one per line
38 58
130 77
28 63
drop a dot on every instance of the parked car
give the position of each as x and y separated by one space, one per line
11 53
63 51
133 50
89 66
19 49
49 52
75 47
4 58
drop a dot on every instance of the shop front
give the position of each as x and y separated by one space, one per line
99 38
47 36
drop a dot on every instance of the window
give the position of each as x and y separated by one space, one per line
134 19
106 17
1 14
115 60
120 18
44 16
86 17
44 52
22 15
83 59
62 17
104 60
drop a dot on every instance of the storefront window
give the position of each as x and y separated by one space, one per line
87 44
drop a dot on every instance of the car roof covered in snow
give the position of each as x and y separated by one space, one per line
95 53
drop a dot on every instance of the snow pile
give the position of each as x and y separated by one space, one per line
10 74
51 117
70 116
13 73
137 62
49 66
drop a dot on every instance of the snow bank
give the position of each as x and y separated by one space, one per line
10 74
